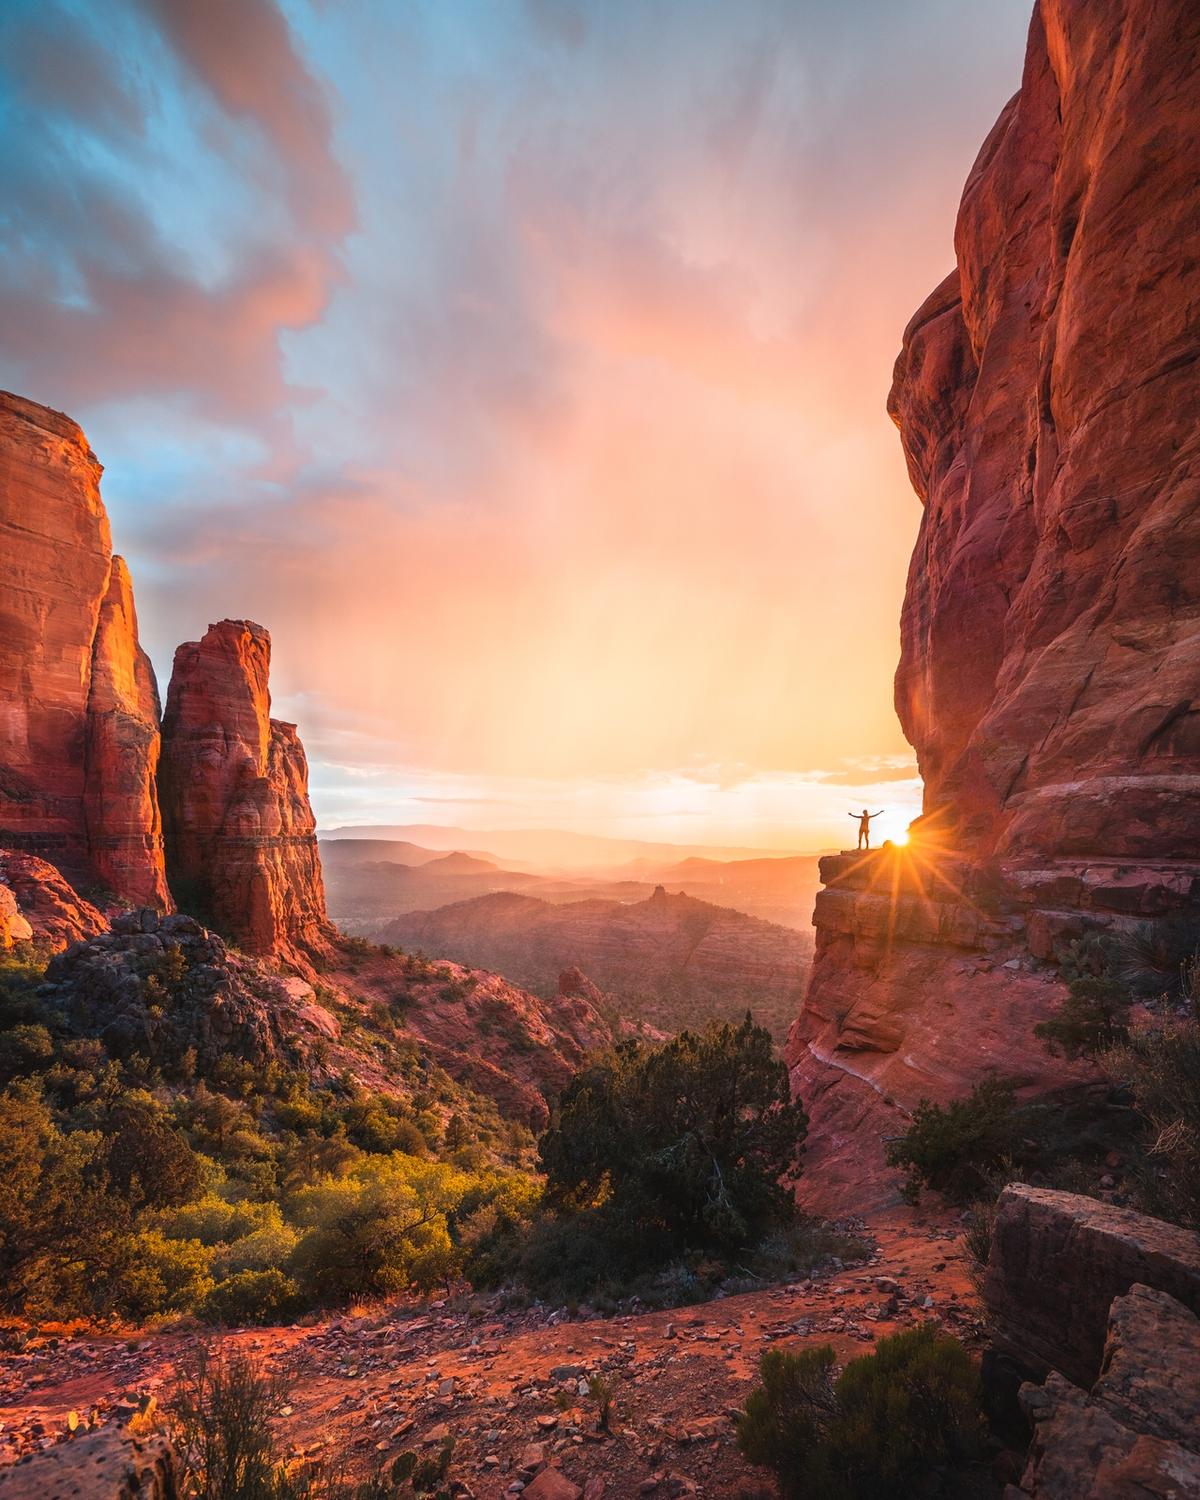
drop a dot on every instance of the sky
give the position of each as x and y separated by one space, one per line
520 364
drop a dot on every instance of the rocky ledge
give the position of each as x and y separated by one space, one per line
1103 1302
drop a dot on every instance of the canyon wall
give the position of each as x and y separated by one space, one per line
78 704
81 783
241 837
1049 680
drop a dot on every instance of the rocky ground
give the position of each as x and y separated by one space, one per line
511 1387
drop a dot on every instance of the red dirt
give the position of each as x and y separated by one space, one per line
367 1385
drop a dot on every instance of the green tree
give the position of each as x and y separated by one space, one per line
690 1145
956 1149
147 1160
61 1231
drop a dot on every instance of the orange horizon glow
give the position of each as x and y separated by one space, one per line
522 368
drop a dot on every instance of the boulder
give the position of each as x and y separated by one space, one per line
1150 1378
14 928
551 1484
1138 1433
54 912
110 1464
1058 1260
1081 1452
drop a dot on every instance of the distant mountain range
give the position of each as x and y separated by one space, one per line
370 880
670 960
549 849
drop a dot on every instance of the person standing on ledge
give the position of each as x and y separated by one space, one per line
864 826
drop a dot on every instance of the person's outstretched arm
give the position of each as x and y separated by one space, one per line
880 813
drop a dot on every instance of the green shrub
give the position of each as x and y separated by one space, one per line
1093 1018
888 1419
251 1297
684 1147
977 1240
61 1231
955 1150
383 1228
221 1411
20 979
424 1475
1093 956
25 1048
263 1249
162 1275
1154 958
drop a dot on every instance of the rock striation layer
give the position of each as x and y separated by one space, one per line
1100 1304
1056 1263
240 833
1050 670
78 704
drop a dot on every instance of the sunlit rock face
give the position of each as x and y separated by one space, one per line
1046 396
240 832
78 703
80 775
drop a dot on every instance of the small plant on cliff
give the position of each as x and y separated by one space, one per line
875 1430
1093 956
956 1149
1093 1018
1160 1063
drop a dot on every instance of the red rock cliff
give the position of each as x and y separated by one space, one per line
1047 397
78 704
240 834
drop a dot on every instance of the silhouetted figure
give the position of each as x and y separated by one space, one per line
864 826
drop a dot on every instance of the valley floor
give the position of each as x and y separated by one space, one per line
367 1386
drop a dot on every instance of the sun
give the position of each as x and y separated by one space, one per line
901 838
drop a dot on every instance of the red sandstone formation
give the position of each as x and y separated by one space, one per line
78 707
124 829
241 845
1050 669
41 905
1046 395
79 729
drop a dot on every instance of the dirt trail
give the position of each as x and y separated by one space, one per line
510 1387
